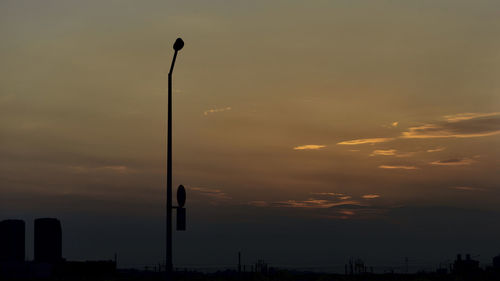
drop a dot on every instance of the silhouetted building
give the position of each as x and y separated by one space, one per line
466 266
48 240
262 267
496 262
12 241
356 266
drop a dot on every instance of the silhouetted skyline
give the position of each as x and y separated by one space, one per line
50 264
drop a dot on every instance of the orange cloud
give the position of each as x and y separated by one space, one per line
347 212
398 167
390 152
462 125
364 141
467 116
430 131
387 152
370 196
436 149
309 147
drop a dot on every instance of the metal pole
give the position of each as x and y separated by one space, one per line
169 263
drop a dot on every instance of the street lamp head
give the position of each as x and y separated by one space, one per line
178 44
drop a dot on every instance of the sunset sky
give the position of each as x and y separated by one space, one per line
306 132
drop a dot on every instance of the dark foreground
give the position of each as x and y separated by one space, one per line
285 275
461 270
279 275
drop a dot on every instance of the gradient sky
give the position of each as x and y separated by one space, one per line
306 132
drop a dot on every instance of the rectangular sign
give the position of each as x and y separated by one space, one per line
181 219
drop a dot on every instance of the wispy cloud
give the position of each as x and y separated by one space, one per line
347 212
391 152
370 196
332 205
398 167
453 162
387 152
117 169
120 169
391 125
258 203
340 196
468 116
467 188
356 213
430 131
365 141
328 193
309 147
405 154
320 200
313 203
463 125
215 110
437 149
215 194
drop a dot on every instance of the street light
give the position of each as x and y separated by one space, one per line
169 265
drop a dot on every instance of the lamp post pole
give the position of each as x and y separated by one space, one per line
169 265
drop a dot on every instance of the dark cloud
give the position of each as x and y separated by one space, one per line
463 125
475 125
453 162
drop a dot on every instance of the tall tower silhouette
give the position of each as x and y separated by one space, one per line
12 235
48 240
